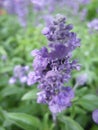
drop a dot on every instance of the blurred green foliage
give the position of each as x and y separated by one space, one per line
92 10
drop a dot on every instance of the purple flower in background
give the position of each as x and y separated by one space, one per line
53 65
3 57
70 7
93 25
73 7
9 6
95 116
12 80
82 79
21 8
39 3
83 14
43 5
19 74
85 1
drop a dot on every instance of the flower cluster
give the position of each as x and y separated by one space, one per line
21 9
42 5
19 74
8 5
38 4
76 8
53 65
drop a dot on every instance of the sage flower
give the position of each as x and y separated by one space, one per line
52 65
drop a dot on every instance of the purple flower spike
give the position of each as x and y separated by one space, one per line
52 66
95 116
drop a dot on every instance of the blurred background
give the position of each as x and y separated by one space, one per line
21 24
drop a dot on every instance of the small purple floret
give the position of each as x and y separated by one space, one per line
82 79
95 116
19 74
93 25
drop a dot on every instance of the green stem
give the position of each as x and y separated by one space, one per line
75 87
54 116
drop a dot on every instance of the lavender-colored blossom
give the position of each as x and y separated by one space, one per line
21 8
83 14
53 65
58 32
39 3
85 1
93 25
73 7
95 116
82 79
18 7
61 101
3 57
68 4
19 74
32 78
43 5
23 79
9 6
12 80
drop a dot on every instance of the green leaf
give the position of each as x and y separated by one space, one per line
10 90
80 110
89 102
82 91
2 113
7 123
2 128
30 95
70 124
2 51
94 127
24 121
6 69
46 121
